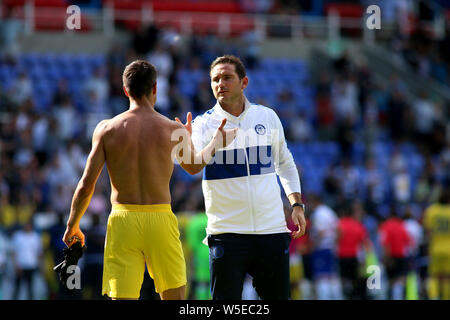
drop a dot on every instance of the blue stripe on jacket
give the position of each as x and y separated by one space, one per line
232 163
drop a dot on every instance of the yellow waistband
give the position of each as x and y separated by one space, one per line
142 207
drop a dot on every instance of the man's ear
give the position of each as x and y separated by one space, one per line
244 82
125 90
154 89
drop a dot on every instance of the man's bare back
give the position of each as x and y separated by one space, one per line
137 146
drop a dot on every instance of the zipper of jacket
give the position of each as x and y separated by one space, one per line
249 189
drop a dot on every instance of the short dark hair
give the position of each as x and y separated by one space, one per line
139 77
230 59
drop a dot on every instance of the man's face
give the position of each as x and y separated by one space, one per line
225 83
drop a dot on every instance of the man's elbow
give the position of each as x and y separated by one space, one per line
191 169
85 189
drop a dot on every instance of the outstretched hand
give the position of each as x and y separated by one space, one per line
222 138
188 124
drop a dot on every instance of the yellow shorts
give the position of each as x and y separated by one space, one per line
439 264
138 235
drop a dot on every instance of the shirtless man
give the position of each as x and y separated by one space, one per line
138 148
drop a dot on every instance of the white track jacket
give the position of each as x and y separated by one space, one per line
239 184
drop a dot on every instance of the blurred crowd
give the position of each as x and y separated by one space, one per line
392 162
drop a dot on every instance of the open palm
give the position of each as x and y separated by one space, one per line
188 124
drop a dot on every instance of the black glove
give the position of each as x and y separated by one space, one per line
71 257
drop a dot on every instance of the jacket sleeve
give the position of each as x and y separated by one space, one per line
284 162
197 134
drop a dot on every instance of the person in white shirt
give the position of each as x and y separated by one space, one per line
416 233
21 89
97 89
27 250
324 223
246 230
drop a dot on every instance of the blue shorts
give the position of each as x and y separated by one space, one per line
323 263
264 257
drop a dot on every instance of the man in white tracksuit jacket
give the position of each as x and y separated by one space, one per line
246 230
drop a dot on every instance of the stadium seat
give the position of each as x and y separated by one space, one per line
28 60
97 60
408 149
36 72
42 101
52 73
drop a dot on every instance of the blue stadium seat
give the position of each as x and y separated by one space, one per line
63 61
52 73
68 72
331 151
36 72
408 149
81 64
415 163
29 60
43 85
270 66
7 76
97 60
42 100
4 73
46 60
75 87
251 94
81 72
258 80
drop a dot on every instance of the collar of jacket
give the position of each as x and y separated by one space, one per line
229 116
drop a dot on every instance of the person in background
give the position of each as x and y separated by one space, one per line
27 252
416 233
324 223
437 224
395 242
93 258
300 262
352 238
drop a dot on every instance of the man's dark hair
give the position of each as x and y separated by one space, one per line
230 59
139 77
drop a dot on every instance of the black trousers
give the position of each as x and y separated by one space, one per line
264 257
27 276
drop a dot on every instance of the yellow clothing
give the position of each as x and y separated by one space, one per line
11 215
138 235
7 215
24 213
437 222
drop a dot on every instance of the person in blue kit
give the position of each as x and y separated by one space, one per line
246 230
